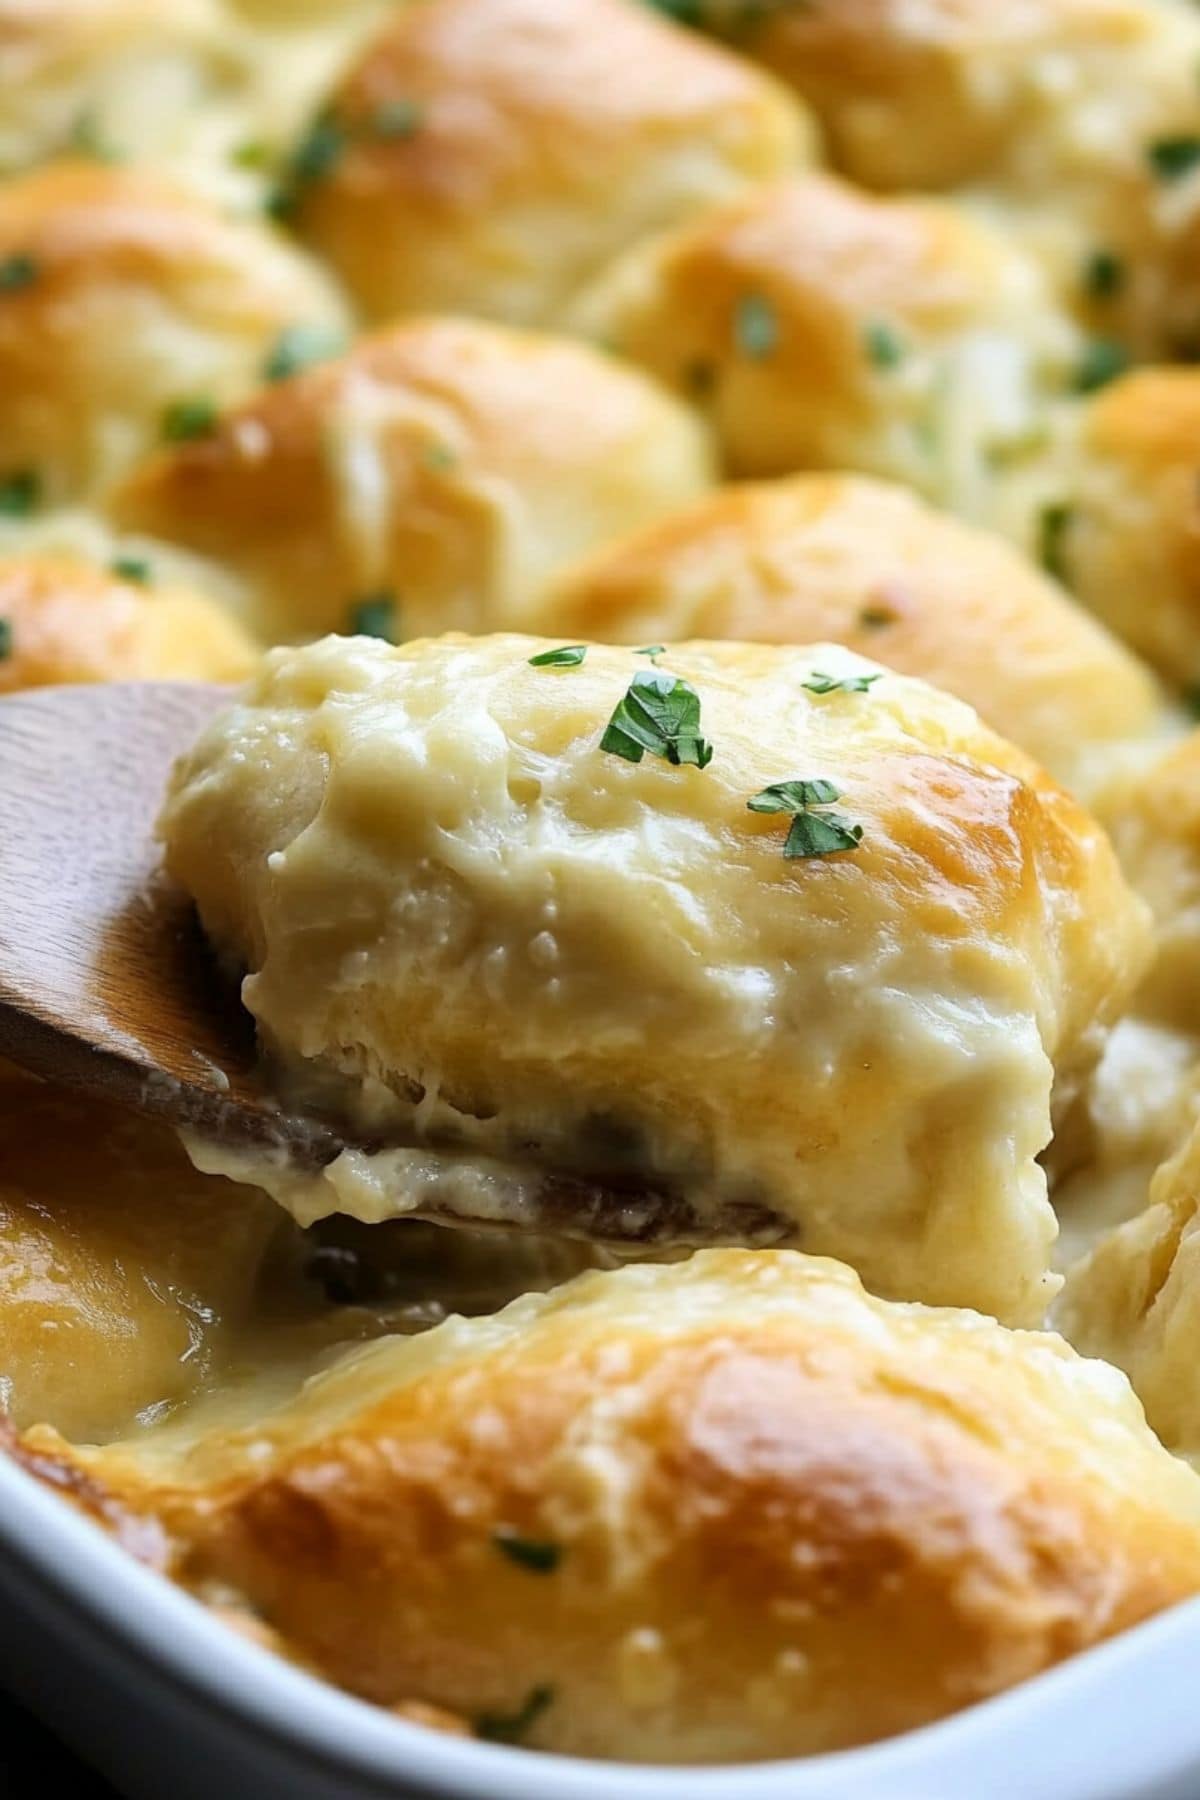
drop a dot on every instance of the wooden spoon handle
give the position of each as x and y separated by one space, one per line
106 983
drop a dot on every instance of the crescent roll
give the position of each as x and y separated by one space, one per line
1129 539
522 954
1135 1300
129 310
440 473
821 327
733 1509
843 559
1070 119
1154 819
958 91
62 621
489 156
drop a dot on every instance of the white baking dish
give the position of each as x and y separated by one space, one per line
171 1705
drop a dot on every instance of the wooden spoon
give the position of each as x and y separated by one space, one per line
107 984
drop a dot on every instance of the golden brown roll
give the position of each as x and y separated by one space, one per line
1076 120
954 91
489 156
823 327
814 988
441 473
129 309
1154 819
1135 1300
730 1509
123 1273
1129 539
851 561
61 620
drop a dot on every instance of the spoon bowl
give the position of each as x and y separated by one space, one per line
107 983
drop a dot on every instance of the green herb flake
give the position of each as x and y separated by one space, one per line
131 568
300 346
684 12
653 651
539 1555
569 656
1102 362
1191 700
20 493
659 713
1103 275
438 458
6 639
183 420
397 119
1006 453
1171 158
883 345
87 139
755 327
314 157
253 154
319 150
874 618
1054 522
374 616
17 272
820 683
812 832
511 1728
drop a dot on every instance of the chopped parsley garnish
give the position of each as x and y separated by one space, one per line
1053 524
1003 453
6 639
130 568
1171 158
820 683
318 150
19 493
812 832
653 651
314 157
190 418
755 327
253 154
298 347
1103 275
659 713
510 1728
540 1555
374 616
883 345
684 12
397 119
874 618
1102 362
16 272
569 656
438 457
87 139
1191 700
